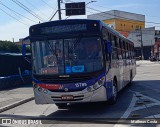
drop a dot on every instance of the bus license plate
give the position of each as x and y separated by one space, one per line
67 97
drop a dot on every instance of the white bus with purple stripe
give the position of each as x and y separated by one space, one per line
79 61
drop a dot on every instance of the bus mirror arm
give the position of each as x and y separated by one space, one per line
24 53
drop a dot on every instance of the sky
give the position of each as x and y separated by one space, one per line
15 21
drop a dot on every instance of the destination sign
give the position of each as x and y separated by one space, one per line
64 29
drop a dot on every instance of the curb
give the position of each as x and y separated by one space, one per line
16 104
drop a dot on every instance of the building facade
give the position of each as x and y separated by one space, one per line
123 22
132 26
144 38
157 45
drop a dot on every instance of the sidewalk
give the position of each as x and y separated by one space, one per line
146 62
14 97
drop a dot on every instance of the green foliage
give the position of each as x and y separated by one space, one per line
8 46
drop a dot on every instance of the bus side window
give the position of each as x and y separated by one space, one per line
105 34
113 40
106 39
124 50
120 49
130 51
128 56
114 48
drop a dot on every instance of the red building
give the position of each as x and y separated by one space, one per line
157 44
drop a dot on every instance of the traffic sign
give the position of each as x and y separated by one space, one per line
75 8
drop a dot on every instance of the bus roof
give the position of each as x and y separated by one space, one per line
75 21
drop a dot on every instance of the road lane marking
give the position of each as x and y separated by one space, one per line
131 106
157 116
142 107
127 112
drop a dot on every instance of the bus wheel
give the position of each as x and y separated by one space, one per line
61 105
113 99
130 81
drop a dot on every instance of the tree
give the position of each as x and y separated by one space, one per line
8 46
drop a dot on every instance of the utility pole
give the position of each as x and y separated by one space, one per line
141 44
13 40
59 9
141 41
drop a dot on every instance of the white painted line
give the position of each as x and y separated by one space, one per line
152 99
127 112
2 109
131 106
147 105
155 116
121 125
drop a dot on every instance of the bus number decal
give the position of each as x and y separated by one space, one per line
81 84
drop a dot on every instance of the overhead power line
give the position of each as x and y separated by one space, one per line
112 8
114 15
118 16
16 12
13 17
47 4
27 9
53 14
33 6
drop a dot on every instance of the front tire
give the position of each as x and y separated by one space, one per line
113 99
130 82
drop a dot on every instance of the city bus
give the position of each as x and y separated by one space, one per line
79 61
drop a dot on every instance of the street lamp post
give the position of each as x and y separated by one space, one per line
91 2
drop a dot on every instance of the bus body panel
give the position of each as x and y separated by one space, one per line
119 69
79 97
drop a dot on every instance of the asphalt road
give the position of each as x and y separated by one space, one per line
141 100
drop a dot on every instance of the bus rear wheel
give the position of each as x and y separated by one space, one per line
113 99
130 81
61 105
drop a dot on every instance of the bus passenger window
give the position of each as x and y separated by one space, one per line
113 41
105 34
115 51
120 49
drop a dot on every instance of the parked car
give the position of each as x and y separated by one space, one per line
153 58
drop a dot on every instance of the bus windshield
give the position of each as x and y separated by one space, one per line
67 56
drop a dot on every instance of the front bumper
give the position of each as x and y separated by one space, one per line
49 97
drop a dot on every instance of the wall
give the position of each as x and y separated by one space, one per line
9 64
128 25
148 37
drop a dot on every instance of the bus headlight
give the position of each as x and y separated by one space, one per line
35 85
45 91
89 89
39 89
97 85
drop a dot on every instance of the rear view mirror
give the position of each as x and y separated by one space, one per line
23 50
24 47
